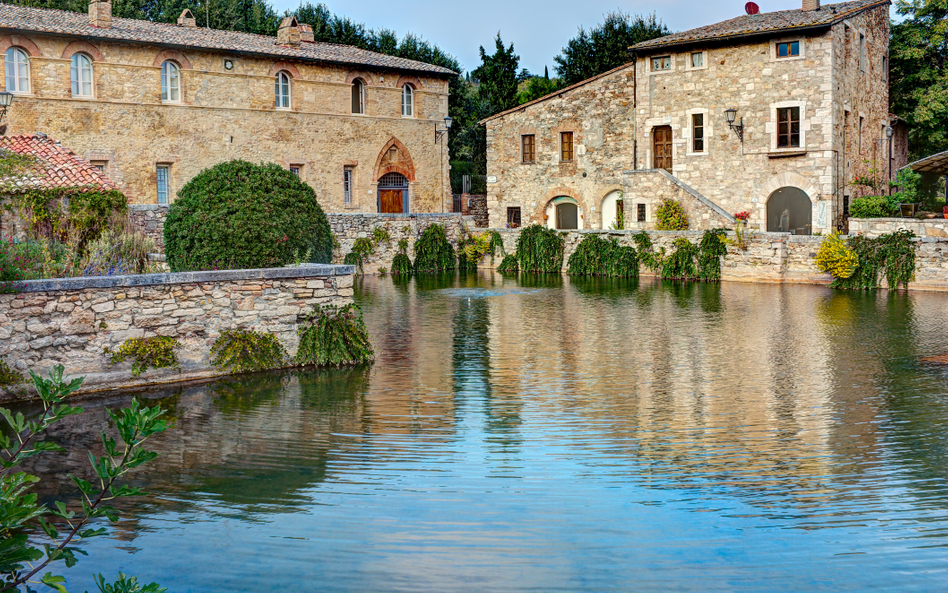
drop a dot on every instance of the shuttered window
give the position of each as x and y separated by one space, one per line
528 148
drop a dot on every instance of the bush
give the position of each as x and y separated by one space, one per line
401 265
334 336
241 215
433 252
873 207
244 350
122 249
540 249
892 254
671 216
157 352
836 258
69 215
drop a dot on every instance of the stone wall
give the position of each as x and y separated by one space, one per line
478 209
873 227
230 114
74 322
346 228
150 218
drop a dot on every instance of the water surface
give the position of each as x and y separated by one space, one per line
555 434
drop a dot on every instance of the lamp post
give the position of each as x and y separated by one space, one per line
439 137
730 116
889 132
6 99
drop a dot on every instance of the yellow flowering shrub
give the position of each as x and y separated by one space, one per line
836 258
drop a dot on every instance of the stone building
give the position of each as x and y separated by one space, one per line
774 114
153 104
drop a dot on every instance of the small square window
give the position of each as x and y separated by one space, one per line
297 170
100 165
528 147
788 49
697 59
661 63
513 217
566 146
640 212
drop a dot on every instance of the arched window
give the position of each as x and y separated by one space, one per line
358 96
17 65
170 82
408 101
282 90
81 75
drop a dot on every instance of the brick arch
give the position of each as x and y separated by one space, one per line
406 166
353 74
84 47
21 42
287 67
173 55
788 179
402 81
551 195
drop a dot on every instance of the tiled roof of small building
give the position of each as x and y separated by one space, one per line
21 18
762 24
56 166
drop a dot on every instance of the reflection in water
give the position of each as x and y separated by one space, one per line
559 433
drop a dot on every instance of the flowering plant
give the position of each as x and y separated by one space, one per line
742 216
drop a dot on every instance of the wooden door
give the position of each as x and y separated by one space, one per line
390 201
662 148
566 216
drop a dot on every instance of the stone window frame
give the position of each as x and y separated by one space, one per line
300 171
348 186
101 165
686 131
862 46
524 134
641 205
29 70
75 64
773 49
410 103
704 61
561 146
671 68
771 127
362 95
161 75
168 184
289 91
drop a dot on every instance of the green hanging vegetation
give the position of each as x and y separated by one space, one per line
433 252
380 235
892 254
9 377
649 258
352 259
243 350
540 249
496 244
401 264
334 336
680 264
156 352
712 246
595 256
509 265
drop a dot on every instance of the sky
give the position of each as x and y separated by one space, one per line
538 28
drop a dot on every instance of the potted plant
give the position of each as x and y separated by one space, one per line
944 211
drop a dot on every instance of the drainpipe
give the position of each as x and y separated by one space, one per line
635 99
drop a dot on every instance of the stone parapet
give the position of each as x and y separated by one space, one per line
77 321
873 227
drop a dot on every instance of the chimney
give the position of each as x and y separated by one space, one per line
306 33
289 32
100 13
187 19
811 5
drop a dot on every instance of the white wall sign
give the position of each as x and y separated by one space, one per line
822 214
491 179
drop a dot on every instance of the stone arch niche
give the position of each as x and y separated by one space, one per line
564 213
789 210
611 204
395 158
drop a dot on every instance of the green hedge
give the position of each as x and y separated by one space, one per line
243 215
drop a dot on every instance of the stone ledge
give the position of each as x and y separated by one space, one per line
145 207
130 281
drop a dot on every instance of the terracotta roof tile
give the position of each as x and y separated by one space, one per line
761 24
21 18
56 166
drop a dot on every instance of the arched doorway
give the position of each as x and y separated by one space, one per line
612 205
393 194
563 213
789 210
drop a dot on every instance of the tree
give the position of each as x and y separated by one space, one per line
918 74
497 77
605 46
537 87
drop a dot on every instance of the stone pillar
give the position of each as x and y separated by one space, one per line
100 13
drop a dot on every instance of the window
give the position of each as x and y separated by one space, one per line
661 63
788 49
282 90
697 132
408 101
862 52
788 127
358 96
100 165
81 75
528 148
513 217
862 122
170 82
17 66
162 177
885 68
347 186
566 146
297 170
697 59
640 212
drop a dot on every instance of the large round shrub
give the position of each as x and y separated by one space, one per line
241 215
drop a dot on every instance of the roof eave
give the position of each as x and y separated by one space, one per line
727 39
